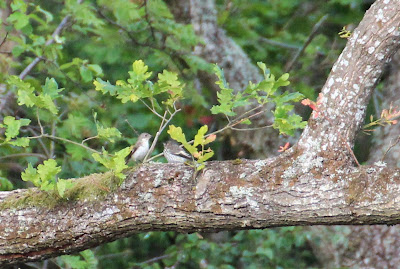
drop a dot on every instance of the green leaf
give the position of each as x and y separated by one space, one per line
20 142
221 82
17 50
246 121
77 125
288 97
74 262
5 184
159 9
139 72
63 185
20 20
108 133
115 163
13 126
106 87
19 5
25 92
263 67
206 156
199 137
50 88
96 69
44 176
77 153
86 73
90 258
177 134
30 174
287 124
47 172
201 166
45 101
48 15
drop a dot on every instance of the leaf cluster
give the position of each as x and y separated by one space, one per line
266 91
200 140
139 86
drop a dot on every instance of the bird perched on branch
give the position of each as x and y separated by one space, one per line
140 149
174 153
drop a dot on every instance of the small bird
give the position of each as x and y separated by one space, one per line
140 149
174 153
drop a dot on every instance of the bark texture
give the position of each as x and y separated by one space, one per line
227 196
313 183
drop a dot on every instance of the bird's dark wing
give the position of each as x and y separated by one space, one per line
127 158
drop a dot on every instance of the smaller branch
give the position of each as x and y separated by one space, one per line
313 33
17 155
65 140
164 123
136 132
390 147
53 133
4 39
155 157
152 109
279 44
236 122
249 111
40 141
38 120
251 129
89 138
155 259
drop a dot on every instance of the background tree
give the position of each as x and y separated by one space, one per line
103 30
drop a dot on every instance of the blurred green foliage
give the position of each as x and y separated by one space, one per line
101 40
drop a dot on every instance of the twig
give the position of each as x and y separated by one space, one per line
65 140
390 147
164 123
279 44
53 133
155 259
40 141
313 33
151 109
251 129
38 120
249 111
17 155
89 138
4 40
136 132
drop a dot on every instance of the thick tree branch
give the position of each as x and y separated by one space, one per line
226 196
